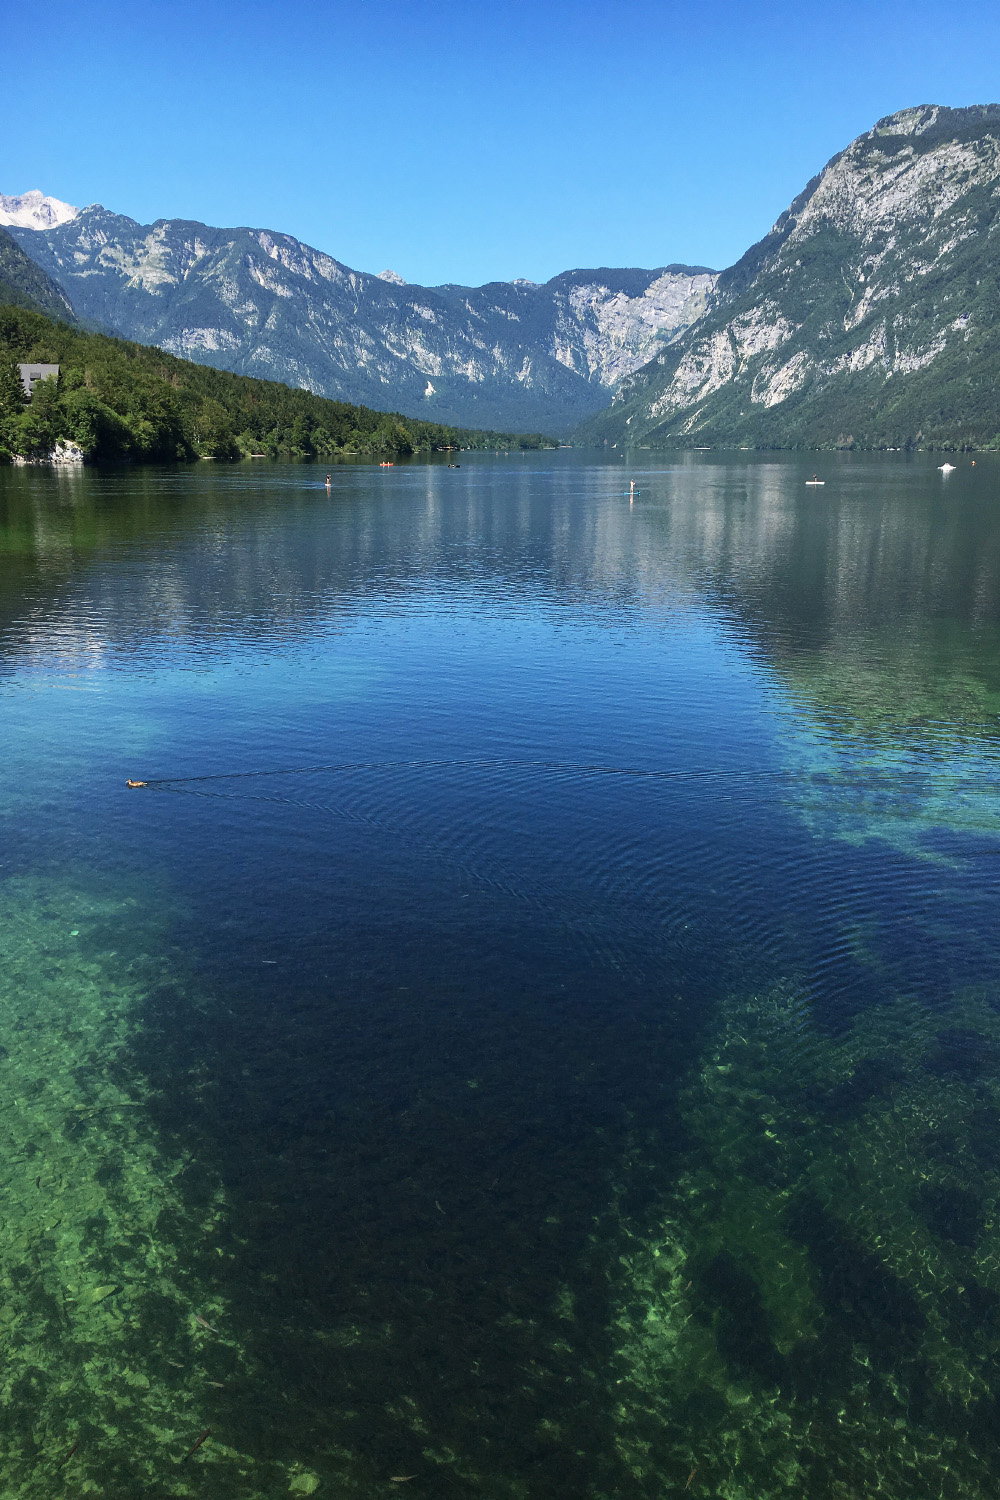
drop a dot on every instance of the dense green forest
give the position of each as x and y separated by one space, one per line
119 400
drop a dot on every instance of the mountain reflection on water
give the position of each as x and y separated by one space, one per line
538 1030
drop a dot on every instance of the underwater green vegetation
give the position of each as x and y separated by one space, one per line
907 685
114 1350
817 1314
126 1365
413 1108
937 804
821 1312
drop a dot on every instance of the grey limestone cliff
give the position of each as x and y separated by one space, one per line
867 316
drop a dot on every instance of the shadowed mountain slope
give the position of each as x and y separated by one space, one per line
24 284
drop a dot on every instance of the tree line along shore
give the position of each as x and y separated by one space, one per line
116 400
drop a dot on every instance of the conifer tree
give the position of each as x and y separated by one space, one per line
12 403
12 397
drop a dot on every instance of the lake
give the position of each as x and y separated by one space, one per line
535 1031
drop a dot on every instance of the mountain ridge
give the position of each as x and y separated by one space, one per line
865 317
257 302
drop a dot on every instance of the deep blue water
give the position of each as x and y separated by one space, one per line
542 1010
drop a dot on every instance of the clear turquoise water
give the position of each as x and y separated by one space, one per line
542 1013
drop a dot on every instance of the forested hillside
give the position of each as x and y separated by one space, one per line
119 400
23 284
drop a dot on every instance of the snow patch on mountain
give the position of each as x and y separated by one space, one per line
33 210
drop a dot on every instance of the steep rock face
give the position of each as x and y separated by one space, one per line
609 323
514 355
867 316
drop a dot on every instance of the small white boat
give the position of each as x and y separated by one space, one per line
946 468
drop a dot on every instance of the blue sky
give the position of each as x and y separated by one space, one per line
472 142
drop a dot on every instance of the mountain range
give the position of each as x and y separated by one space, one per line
867 317
514 355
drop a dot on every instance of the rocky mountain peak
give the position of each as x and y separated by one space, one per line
930 121
391 276
866 315
33 210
